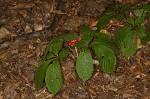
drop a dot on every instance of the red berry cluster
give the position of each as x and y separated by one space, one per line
70 43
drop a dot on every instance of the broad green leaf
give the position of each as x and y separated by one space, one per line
139 20
145 7
95 33
53 77
46 50
103 20
146 38
84 42
106 56
105 40
49 55
84 65
111 8
53 46
130 21
119 16
126 7
64 53
138 13
129 44
103 36
69 36
85 30
141 31
40 74
120 34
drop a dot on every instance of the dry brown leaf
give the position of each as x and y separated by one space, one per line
134 68
23 13
28 29
139 45
23 6
92 22
38 27
4 32
1 93
90 90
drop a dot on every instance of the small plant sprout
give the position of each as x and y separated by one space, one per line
97 44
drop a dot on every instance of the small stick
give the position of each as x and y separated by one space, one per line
76 51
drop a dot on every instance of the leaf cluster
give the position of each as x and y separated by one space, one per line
94 43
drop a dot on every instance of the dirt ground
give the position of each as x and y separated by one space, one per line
26 26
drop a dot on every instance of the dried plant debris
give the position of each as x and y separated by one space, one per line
20 57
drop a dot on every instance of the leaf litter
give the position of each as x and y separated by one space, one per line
19 60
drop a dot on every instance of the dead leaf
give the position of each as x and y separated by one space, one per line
139 45
23 6
134 68
90 90
92 22
28 29
1 95
4 32
38 27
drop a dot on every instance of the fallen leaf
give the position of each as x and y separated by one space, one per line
134 68
38 27
139 45
23 6
28 29
92 22
4 32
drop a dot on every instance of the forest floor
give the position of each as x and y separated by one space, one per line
26 26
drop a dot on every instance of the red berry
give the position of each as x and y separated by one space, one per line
73 42
76 40
70 43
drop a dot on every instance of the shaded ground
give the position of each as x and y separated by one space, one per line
25 28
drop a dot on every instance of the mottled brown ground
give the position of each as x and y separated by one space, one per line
25 28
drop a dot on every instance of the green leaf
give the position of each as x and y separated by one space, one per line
103 20
139 20
103 37
40 74
53 77
53 46
138 13
69 36
129 44
141 31
120 34
85 30
130 21
46 50
49 55
84 65
145 7
105 40
106 56
95 33
111 8
146 38
119 16
84 42
64 53
126 7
